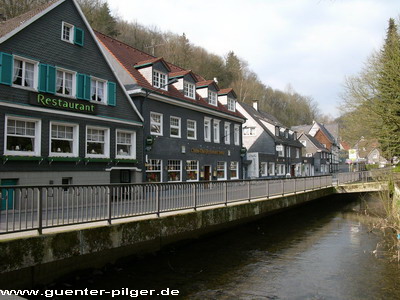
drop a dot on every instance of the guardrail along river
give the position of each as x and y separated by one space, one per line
322 250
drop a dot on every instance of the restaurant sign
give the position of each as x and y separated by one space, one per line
52 101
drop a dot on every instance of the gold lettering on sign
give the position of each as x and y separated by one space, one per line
206 151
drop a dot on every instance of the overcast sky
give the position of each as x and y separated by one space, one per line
310 44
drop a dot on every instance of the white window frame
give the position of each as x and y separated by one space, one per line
281 153
212 98
288 151
132 144
75 140
271 166
231 169
207 129
194 130
73 87
231 104
159 164
281 167
218 169
189 90
106 153
160 80
216 131
71 33
297 153
173 126
160 124
236 134
227 133
170 169
97 81
36 137
35 73
188 169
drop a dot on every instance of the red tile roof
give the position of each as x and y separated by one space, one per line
152 61
128 57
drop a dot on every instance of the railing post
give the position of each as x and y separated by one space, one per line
248 190
226 193
267 188
109 206
40 213
295 186
158 200
283 187
195 196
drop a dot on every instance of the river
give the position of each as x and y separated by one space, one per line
322 250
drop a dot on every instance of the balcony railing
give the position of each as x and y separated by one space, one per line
26 208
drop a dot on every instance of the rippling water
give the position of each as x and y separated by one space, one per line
321 250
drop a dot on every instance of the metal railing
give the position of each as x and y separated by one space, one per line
37 207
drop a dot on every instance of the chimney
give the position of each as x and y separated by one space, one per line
255 104
216 80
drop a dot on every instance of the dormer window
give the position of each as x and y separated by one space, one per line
212 98
159 80
188 89
231 104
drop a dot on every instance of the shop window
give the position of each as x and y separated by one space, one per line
24 73
126 141
192 170
65 83
156 127
154 170
191 129
174 170
234 170
64 139
22 137
221 170
97 142
175 127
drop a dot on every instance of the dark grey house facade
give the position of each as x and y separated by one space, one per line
66 118
192 130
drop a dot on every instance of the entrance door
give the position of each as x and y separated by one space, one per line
292 168
7 195
207 173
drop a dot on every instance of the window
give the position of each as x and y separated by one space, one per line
286 134
281 169
67 33
216 130
212 98
304 143
297 153
160 80
264 169
64 139
249 131
153 170
237 135
207 129
65 84
279 149
97 142
191 129
221 170
309 154
156 127
25 73
271 169
23 136
174 170
188 89
287 151
231 104
192 170
234 168
276 131
126 141
175 127
227 133
98 90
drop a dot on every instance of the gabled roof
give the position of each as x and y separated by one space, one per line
227 92
128 57
206 83
302 128
152 61
14 25
326 132
313 140
260 116
180 74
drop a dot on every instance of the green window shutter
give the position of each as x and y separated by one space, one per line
79 36
42 78
51 79
112 94
87 91
6 68
80 86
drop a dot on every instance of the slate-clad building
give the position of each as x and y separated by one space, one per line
66 118
192 130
